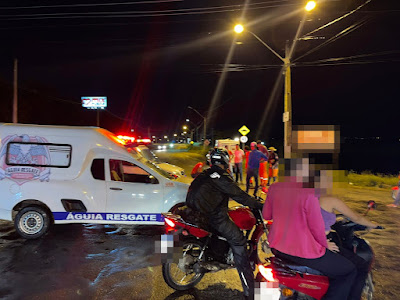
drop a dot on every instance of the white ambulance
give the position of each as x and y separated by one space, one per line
64 174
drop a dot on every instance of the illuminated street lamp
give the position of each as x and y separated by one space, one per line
238 28
310 5
287 115
184 127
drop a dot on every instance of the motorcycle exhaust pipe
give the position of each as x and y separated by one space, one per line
204 267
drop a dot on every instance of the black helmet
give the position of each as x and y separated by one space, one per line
219 157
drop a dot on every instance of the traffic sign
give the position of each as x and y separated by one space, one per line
244 139
244 130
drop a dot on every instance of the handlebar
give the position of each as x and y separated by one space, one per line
359 227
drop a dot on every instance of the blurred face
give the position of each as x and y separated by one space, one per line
237 147
325 181
330 179
302 170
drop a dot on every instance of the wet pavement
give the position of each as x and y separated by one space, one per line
95 262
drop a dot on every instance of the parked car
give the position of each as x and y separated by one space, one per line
171 169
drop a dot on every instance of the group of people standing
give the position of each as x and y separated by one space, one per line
261 164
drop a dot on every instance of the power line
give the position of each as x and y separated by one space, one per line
164 11
338 19
133 14
338 59
311 64
341 34
90 5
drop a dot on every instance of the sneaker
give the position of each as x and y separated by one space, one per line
392 205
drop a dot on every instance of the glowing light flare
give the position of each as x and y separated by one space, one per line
310 5
266 273
238 28
144 141
126 138
169 222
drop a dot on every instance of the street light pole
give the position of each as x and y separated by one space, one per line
205 123
287 114
15 95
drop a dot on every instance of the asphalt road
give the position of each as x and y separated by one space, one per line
95 262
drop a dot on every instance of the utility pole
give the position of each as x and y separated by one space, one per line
205 125
98 118
205 130
15 98
287 115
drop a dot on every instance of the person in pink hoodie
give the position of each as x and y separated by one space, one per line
297 233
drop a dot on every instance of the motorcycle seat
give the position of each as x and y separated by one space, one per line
296 267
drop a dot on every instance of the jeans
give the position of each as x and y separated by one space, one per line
238 171
252 173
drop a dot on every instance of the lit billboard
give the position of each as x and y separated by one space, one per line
94 102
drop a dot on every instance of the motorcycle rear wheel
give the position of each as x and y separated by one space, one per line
182 280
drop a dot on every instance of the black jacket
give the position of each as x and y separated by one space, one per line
210 191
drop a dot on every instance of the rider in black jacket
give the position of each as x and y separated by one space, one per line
209 193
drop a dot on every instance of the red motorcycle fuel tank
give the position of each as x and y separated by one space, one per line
242 217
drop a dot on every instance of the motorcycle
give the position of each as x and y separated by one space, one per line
300 282
203 250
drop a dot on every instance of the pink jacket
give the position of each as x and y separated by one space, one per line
298 227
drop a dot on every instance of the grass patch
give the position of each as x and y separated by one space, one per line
372 180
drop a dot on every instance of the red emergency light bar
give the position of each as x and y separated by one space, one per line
126 138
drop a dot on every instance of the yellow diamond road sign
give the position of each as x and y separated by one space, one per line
244 130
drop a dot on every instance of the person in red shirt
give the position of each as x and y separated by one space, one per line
263 170
239 164
231 160
197 169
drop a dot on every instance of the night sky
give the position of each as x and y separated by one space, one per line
153 60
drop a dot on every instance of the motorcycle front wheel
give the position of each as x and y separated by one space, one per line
179 273
263 249
368 291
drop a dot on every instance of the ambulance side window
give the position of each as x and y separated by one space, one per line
97 169
121 170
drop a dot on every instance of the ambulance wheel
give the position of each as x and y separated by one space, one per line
32 222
